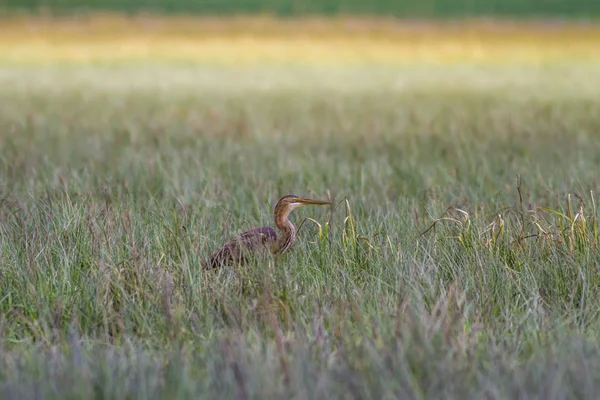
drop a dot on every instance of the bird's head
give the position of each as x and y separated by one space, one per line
286 204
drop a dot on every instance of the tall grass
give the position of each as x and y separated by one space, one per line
459 260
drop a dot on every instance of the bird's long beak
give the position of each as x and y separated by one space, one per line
306 201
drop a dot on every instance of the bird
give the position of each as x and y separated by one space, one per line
265 239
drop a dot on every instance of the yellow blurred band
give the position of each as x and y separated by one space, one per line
264 40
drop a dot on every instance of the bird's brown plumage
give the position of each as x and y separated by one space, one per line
263 240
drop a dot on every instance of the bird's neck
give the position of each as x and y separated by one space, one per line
288 233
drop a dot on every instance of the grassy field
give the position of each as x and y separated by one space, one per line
460 259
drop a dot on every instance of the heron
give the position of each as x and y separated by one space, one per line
265 239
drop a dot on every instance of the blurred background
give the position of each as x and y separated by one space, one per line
347 32
399 8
